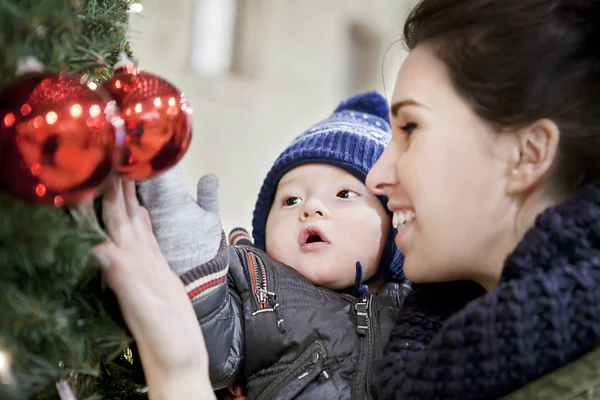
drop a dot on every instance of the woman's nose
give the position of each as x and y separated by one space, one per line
382 175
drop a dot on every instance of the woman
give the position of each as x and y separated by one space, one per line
493 176
496 156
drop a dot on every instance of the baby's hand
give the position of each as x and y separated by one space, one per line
188 232
235 393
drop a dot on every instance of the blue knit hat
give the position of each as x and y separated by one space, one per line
352 138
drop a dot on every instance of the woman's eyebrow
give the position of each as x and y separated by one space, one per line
403 103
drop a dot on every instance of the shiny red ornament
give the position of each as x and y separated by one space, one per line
59 139
157 118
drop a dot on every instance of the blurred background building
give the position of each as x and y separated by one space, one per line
259 72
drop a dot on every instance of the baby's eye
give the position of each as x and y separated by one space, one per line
291 201
346 194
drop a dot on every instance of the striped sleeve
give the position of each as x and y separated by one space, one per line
240 237
206 278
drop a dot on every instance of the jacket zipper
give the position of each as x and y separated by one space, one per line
259 280
266 300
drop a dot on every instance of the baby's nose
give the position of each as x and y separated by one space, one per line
314 208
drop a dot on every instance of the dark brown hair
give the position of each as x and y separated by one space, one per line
517 61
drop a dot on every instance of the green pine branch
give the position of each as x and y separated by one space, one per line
58 321
81 36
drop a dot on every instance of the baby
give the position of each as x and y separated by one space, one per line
307 310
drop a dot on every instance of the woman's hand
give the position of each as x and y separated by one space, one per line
152 299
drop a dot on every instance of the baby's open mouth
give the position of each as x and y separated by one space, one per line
311 236
314 239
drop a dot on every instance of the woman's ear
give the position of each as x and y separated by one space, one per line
536 146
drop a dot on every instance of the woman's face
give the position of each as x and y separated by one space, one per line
445 174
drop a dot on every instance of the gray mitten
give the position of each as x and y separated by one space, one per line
189 234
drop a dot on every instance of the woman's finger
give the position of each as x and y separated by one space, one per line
114 214
145 215
147 223
139 217
122 272
110 258
133 209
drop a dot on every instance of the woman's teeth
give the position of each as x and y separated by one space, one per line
402 218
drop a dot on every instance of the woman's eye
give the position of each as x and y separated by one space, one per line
291 201
409 128
346 194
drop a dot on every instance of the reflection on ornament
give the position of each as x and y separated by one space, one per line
59 140
157 122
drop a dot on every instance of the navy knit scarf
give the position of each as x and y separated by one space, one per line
455 341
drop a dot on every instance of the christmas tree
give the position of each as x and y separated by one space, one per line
60 329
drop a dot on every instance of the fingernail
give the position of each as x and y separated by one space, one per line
101 260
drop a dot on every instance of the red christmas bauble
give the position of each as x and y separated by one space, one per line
157 118
59 139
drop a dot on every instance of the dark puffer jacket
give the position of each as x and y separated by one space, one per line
288 338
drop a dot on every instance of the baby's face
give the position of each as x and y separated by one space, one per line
322 221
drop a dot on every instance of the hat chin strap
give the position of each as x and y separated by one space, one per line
359 290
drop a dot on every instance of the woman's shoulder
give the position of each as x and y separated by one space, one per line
578 380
